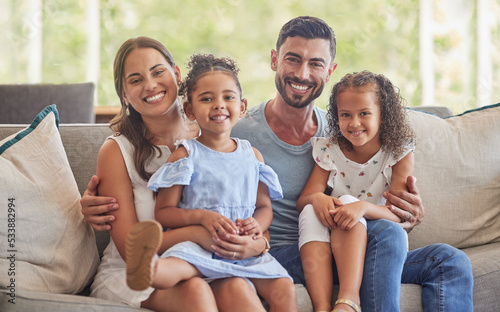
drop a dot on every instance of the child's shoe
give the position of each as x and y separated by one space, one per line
141 247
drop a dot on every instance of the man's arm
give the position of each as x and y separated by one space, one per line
95 208
407 205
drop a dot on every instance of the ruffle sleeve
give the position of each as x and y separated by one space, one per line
169 174
270 178
322 153
387 171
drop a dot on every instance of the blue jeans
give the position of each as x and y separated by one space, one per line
443 272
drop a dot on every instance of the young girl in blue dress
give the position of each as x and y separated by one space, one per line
368 151
215 181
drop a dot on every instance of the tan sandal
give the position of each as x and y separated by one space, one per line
351 304
143 242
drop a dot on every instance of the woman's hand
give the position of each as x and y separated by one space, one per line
407 205
95 208
234 246
229 246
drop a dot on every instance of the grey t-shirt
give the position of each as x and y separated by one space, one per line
293 164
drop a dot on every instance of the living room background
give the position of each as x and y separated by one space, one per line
439 52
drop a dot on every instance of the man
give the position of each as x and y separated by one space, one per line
281 129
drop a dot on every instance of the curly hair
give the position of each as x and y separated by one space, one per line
395 131
200 65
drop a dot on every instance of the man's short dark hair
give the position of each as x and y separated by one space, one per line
308 27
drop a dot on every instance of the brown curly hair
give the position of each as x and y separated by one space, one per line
201 64
395 132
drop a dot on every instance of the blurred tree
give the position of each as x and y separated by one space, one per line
378 35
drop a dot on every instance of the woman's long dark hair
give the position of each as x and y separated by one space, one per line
132 125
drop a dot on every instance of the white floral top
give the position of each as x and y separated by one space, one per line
364 181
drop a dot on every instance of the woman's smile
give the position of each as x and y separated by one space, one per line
155 98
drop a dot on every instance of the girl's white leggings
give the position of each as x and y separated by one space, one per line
312 230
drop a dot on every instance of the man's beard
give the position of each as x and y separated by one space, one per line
298 101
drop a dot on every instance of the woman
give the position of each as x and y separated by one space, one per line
150 121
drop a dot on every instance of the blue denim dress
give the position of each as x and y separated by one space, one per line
225 183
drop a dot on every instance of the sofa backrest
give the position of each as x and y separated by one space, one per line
82 143
19 103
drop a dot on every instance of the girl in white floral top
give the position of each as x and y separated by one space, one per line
368 151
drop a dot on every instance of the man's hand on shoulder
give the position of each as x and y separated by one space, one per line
407 205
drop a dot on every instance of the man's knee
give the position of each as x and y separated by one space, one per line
384 229
453 257
387 237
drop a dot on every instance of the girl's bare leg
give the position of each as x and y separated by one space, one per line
235 294
278 292
317 263
348 249
170 271
193 294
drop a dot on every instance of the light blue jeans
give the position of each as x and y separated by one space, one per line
444 272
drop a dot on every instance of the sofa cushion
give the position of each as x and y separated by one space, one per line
457 167
44 302
486 270
50 247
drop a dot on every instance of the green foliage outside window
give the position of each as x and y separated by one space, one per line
381 36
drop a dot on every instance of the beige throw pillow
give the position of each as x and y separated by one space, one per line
457 165
45 243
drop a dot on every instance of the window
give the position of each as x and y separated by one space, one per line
438 52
